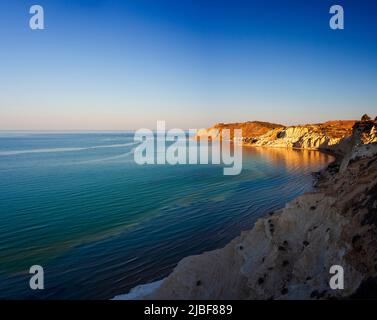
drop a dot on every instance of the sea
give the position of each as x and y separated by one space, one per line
99 224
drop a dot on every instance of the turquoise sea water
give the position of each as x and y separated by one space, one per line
99 224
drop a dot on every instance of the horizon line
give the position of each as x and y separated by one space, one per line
125 130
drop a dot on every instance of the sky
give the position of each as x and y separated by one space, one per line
121 65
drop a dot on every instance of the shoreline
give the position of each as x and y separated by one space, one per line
145 289
288 254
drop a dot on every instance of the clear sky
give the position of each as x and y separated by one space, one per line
113 65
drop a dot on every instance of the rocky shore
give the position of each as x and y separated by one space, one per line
288 254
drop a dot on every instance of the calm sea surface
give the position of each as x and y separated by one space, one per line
99 224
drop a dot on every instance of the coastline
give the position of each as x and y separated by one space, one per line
141 291
287 255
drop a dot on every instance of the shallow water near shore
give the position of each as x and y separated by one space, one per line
99 224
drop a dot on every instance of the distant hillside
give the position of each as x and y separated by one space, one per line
311 136
250 129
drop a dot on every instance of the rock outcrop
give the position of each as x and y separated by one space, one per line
288 255
325 136
250 129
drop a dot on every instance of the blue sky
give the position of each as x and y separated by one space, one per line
112 65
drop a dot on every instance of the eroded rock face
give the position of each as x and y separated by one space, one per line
285 256
324 136
288 255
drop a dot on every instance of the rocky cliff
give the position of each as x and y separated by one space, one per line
327 136
250 129
324 136
288 254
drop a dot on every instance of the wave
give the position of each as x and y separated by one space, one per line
52 150
140 291
119 156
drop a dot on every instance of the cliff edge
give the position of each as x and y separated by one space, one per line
250 129
288 254
323 136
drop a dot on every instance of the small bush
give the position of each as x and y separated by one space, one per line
365 117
